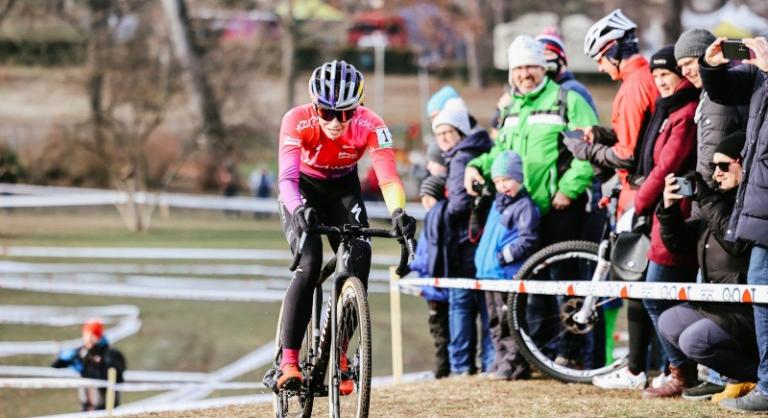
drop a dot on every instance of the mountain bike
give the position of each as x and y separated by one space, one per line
560 335
340 348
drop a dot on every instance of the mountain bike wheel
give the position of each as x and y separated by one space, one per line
353 343
543 325
293 403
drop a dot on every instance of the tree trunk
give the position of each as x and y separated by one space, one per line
98 46
197 80
672 25
289 38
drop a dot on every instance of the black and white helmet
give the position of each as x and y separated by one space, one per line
610 28
337 85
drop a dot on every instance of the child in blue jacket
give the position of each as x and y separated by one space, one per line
510 237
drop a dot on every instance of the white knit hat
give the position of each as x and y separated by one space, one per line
455 116
525 50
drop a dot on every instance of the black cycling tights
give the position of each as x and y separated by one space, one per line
337 201
640 333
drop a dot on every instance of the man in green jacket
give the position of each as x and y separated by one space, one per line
531 126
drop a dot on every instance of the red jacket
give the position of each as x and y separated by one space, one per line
673 152
633 104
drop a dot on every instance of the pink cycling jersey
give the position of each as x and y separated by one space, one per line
304 148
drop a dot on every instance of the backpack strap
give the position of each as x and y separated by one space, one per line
564 157
562 103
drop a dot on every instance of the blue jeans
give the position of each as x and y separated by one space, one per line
758 275
659 273
464 306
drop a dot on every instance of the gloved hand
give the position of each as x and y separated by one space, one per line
578 147
404 225
303 218
502 259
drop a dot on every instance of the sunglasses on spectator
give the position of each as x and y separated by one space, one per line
724 166
329 115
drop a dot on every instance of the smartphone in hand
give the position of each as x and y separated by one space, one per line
734 49
686 187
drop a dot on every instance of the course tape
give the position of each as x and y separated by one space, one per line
70 383
702 292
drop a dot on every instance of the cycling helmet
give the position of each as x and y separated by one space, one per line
610 28
336 85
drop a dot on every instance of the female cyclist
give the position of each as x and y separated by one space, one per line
320 144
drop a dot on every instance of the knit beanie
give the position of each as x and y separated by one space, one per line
693 43
455 116
95 327
434 153
552 42
508 164
732 144
437 101
665 58
433 186
525 50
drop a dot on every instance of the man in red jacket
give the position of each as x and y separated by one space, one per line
612 43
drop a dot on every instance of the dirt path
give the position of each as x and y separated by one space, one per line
479 397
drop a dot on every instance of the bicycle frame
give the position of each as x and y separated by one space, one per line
340 274
603 260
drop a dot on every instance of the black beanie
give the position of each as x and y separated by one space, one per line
732 144
665 58
433 186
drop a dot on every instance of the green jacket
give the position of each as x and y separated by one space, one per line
531 126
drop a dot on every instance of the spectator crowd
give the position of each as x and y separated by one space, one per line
687 116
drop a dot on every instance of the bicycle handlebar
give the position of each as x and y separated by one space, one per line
407 251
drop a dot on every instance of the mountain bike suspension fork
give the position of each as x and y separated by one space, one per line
601 273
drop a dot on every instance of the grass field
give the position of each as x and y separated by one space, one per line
176 335
479 397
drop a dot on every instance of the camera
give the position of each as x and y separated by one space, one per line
478 187
734 49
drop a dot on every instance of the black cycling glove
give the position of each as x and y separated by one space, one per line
404 225
303 218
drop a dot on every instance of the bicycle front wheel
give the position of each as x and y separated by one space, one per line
544 328
350 391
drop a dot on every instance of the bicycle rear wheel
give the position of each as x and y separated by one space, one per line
543 325
353 344
293 403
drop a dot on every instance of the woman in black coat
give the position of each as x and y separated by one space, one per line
720 336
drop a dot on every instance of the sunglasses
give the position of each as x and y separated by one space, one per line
724 166
329 115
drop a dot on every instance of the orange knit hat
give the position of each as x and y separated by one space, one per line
95 327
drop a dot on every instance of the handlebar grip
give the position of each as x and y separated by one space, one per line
297 254
407 254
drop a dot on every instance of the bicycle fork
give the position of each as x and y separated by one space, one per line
601 273
340 275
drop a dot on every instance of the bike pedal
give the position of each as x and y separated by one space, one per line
270 379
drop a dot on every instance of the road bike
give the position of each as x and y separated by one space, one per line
337 345
562 336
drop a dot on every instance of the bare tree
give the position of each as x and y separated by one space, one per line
290 36
672 24
6 9
130 83
199 89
